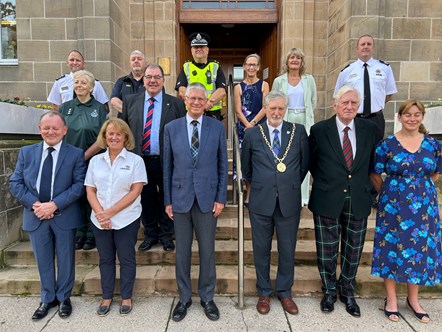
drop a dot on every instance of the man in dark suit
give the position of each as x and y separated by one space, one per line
146 118
340 153
195 190
275 161
48 180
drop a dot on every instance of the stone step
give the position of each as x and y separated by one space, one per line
226 252
160 280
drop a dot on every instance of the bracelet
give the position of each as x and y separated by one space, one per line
253 122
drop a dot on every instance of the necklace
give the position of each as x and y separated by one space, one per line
281 167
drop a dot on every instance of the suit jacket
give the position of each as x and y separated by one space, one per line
70 172
133 113
332 180
310 97
207 179
258 166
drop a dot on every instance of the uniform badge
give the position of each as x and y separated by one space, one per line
378 72
94 113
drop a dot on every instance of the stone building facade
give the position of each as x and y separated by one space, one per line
408 34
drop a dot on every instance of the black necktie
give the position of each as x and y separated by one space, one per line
367 92
46 178
195 140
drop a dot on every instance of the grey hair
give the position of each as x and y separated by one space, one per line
343 90
195 86
275 95
138 52
87 74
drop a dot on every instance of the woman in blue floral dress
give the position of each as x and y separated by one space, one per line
407 242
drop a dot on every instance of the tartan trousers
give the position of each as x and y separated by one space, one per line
351 232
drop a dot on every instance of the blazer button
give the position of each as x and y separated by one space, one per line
345 190
349 176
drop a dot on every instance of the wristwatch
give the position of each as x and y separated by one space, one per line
253 122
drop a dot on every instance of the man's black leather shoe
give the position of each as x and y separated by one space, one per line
351 306
211 310
43 309
168 245
328 303
89 244
65 308
180 311
79 242
147 244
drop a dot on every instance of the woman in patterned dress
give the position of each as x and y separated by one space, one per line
248 97
407 242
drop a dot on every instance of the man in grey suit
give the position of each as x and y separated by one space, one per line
48 180
275 158
195 190
146 114
340 151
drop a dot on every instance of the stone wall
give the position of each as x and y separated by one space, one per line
10 209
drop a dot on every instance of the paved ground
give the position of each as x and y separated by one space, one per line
153 314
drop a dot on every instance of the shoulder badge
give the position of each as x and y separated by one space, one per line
59 78
345 67
211 60
187 61
385 63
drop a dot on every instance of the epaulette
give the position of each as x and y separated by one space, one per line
59 78
212 60
385 63
97 80
345 67
187 61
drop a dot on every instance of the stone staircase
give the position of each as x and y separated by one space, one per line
156 270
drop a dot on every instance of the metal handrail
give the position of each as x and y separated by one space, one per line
237 187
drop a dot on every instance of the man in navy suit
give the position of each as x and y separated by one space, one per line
157 226
275 159
51 219
195 190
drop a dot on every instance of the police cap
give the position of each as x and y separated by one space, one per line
199 39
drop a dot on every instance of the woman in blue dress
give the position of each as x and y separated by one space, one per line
407 242
248 98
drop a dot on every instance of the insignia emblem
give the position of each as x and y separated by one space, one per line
378 72
94 113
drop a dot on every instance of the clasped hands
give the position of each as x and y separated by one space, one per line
44 211
104 220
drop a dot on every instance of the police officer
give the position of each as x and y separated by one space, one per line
63 88
204 71
381 81
129 84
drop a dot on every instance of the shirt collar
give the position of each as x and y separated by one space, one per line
189 119
158 97
341 126
122 154
369 62
271 128
56 147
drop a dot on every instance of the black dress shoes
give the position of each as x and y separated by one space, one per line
65 308
89 244
328 303
79 242
211 310
168 245
351 306
43 309
147 244
180 310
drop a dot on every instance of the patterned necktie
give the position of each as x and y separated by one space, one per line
367 92
148 127
276 144
195 141
346 148
44 195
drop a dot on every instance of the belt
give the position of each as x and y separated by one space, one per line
296 110
151 157
371 115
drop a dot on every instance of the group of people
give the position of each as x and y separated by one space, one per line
163 162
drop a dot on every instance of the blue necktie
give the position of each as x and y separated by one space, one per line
44 195
195 141
276 145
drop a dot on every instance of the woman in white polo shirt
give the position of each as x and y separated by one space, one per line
114 181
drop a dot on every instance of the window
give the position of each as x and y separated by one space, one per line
8 32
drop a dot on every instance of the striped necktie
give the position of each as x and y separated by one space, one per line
148 127
195 141
346 147
276 144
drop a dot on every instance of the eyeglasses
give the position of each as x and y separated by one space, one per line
250 65
156 77
199 100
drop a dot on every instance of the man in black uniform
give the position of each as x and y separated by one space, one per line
204 71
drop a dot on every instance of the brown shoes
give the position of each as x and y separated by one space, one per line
263 305
288 305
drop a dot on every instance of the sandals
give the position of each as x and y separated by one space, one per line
389 314
419 315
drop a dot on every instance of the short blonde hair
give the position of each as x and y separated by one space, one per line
86 74
129 141
295 51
